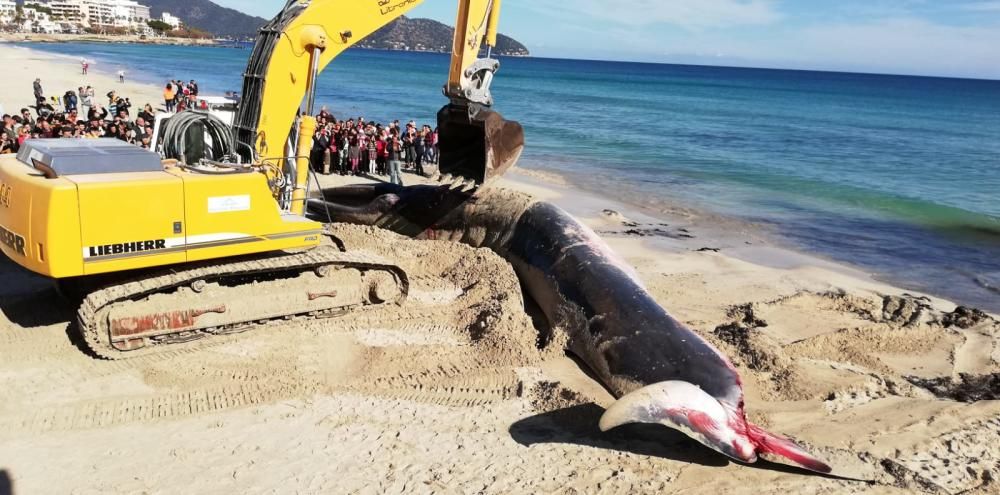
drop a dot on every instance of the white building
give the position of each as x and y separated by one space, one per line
8 11
39 22
174 21
98 13
68 10
128 13
141 12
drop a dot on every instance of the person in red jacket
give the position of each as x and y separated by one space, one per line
382 153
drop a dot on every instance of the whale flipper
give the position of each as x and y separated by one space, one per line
685 407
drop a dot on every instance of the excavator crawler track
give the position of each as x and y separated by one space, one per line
183 307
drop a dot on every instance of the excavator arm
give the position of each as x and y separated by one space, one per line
302 40
476 143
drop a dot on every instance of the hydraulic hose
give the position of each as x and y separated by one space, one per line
186 132
247 120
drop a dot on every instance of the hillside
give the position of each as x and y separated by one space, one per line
208 16
402 34
429 35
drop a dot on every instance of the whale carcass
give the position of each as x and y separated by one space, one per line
660 371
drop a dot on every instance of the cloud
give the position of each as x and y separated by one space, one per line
991 6
695 15
908 45
899 45
904 45
887 36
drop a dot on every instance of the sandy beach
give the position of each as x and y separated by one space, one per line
61 74
451 394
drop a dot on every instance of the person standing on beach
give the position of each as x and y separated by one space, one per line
383 153
428 144
168 97
84 65
395 149
354 152
407 154
344 145
178 95
86 99
72 101
372 153
335 149
121 76
319 156
39 93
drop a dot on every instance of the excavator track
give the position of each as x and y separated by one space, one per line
180 308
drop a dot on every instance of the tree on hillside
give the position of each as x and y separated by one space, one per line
190 32
38 8
159 26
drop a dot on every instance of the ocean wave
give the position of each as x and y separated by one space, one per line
945 218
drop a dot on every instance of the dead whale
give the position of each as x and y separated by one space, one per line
661 371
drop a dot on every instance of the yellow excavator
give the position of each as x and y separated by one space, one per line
168 252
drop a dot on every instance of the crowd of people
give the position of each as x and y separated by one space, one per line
78 114
351 147
360 147
179 96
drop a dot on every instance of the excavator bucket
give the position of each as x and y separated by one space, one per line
478 145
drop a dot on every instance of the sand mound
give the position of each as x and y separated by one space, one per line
760 353
966 388
878 361
965 318
548 396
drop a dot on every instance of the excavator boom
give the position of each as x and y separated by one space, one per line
302 40
476 143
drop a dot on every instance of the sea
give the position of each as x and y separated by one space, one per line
898 176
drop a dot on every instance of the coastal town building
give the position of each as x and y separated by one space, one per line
68 11
8 11
70 14
34 20
172 20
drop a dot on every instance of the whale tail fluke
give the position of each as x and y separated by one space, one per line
769 443
686 407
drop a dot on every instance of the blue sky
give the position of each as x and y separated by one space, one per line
931 37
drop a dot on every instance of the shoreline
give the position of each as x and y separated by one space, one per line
889 386
103 38
172 41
